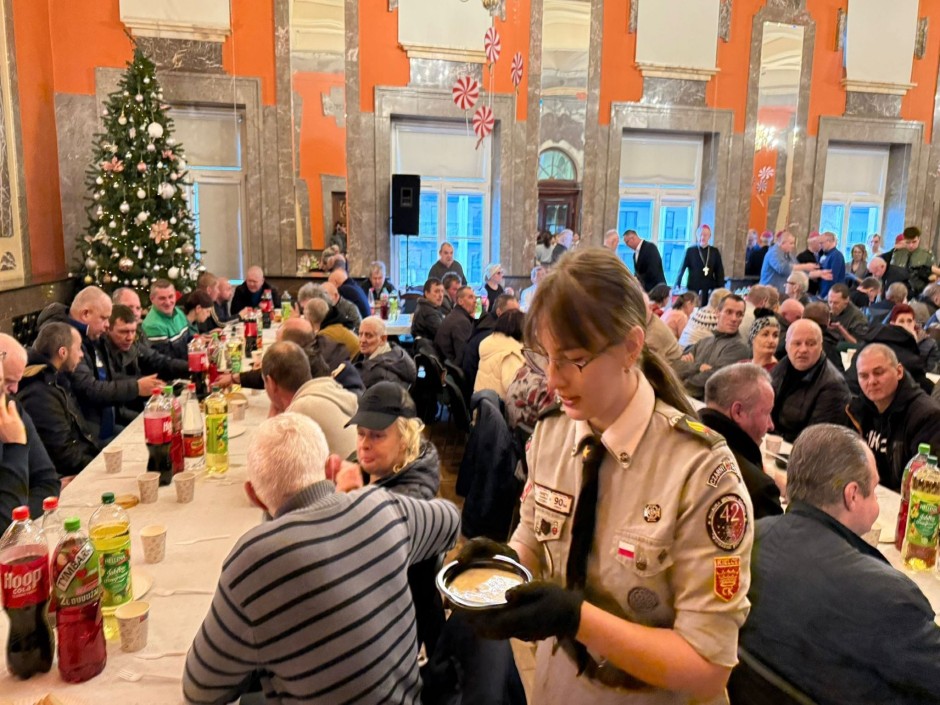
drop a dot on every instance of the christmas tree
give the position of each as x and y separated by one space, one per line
140 225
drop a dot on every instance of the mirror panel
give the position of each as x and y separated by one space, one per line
777 124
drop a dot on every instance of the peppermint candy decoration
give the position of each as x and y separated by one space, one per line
466 92
516 69
483 122
492 45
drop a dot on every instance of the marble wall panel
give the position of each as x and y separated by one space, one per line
592 225
524 256
268 250
76 119
183 54
437 73
286 257
673 91
563 119
858 104
15 265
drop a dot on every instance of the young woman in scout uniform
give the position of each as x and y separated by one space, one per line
635 521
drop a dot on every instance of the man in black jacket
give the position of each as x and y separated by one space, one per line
739 400
808 388
828 613
127 357
27 475
350 291
647 262
452 337
46 394
428 315
248 294
97 393
380 360
893 414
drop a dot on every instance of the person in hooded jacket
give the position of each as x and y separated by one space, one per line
501 354
893 414
380 360
900 335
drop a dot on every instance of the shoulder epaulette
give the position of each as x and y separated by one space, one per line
694 427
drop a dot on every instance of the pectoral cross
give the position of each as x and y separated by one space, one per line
705 271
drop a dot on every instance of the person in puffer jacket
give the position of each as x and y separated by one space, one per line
379 360
501 354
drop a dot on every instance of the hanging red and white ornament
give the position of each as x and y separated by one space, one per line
466 92
492 45
483 123
516 68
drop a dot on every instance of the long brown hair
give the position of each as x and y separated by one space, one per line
591 300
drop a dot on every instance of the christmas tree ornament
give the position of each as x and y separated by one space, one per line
126 283
133 282
170 141
106 279
99 181
113 149
188 249
159 165
132 133
112 224
159 232
95 196
142 216
151 147
91 263
178 251
155 130
125 264
104 113
123 232
99 212
139 98
126 94
88 279
173 221
116 185
141 167
146 80
141 193
173 272
181 165
173 176
122 120
144 281
159 250
124 207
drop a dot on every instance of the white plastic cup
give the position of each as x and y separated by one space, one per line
238 408
148 482
113 459
133 618
185 483
154 540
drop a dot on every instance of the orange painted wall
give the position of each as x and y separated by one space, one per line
40 160
514 37
919 101
727 90
249 50
322 144
620 78
827 96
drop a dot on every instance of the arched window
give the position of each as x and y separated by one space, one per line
555 165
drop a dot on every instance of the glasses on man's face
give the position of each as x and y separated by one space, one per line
540 361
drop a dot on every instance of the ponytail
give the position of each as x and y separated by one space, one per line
664 382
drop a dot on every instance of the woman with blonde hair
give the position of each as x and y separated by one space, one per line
635 523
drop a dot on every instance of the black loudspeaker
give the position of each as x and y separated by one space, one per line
406 204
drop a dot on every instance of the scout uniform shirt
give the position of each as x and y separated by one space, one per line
672 538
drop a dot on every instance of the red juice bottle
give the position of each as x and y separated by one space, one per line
81 645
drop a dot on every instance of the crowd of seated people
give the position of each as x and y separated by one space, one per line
344 422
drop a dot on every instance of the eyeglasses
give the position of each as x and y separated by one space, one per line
540 361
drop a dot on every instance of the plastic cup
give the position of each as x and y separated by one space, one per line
185 483
238 407
154 540
133 618
113 459
773 443
256 356
148 482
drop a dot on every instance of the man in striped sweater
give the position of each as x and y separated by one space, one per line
316 601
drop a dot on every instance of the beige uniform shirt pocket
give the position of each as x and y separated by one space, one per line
642 561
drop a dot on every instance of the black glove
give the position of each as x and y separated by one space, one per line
533 612
482 547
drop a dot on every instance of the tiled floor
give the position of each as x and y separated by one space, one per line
450 447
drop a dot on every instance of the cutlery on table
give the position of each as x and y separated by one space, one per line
159 654
189 542
134 676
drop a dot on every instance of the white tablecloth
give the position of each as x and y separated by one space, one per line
400 325
220 507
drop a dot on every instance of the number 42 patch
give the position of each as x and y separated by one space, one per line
727 522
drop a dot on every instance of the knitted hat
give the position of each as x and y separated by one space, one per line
759 325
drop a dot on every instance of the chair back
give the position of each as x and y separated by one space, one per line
429 383
753 682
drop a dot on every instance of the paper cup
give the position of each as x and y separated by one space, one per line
238 407
147 483
113 458
185 483
773 443
132 620
256 356
154 540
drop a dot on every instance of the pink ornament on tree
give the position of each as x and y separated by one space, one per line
466 92
141 167
115 165
160 231
492 45
483 123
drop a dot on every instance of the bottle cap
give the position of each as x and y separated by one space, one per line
931 459
168 389
21 514
107 498
50 503
156 392
923 448
73 524
191 386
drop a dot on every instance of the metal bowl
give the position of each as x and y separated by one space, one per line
489 599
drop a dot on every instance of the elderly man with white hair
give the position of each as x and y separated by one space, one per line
322 620
808 388
378 359
248 294
612 240
350 291
344 313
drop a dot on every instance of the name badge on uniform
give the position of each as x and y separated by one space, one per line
552 499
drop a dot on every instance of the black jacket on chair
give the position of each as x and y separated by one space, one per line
648 265
47 397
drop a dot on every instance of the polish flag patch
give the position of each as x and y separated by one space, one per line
627 550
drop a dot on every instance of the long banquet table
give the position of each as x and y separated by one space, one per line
220 508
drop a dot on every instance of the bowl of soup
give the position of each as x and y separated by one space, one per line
481 584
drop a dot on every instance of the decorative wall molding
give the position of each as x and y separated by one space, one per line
168 29
685 73
724 20
183 54
920 43
631 19
334 105
875 87
205 20
842 17
425 51
392 5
